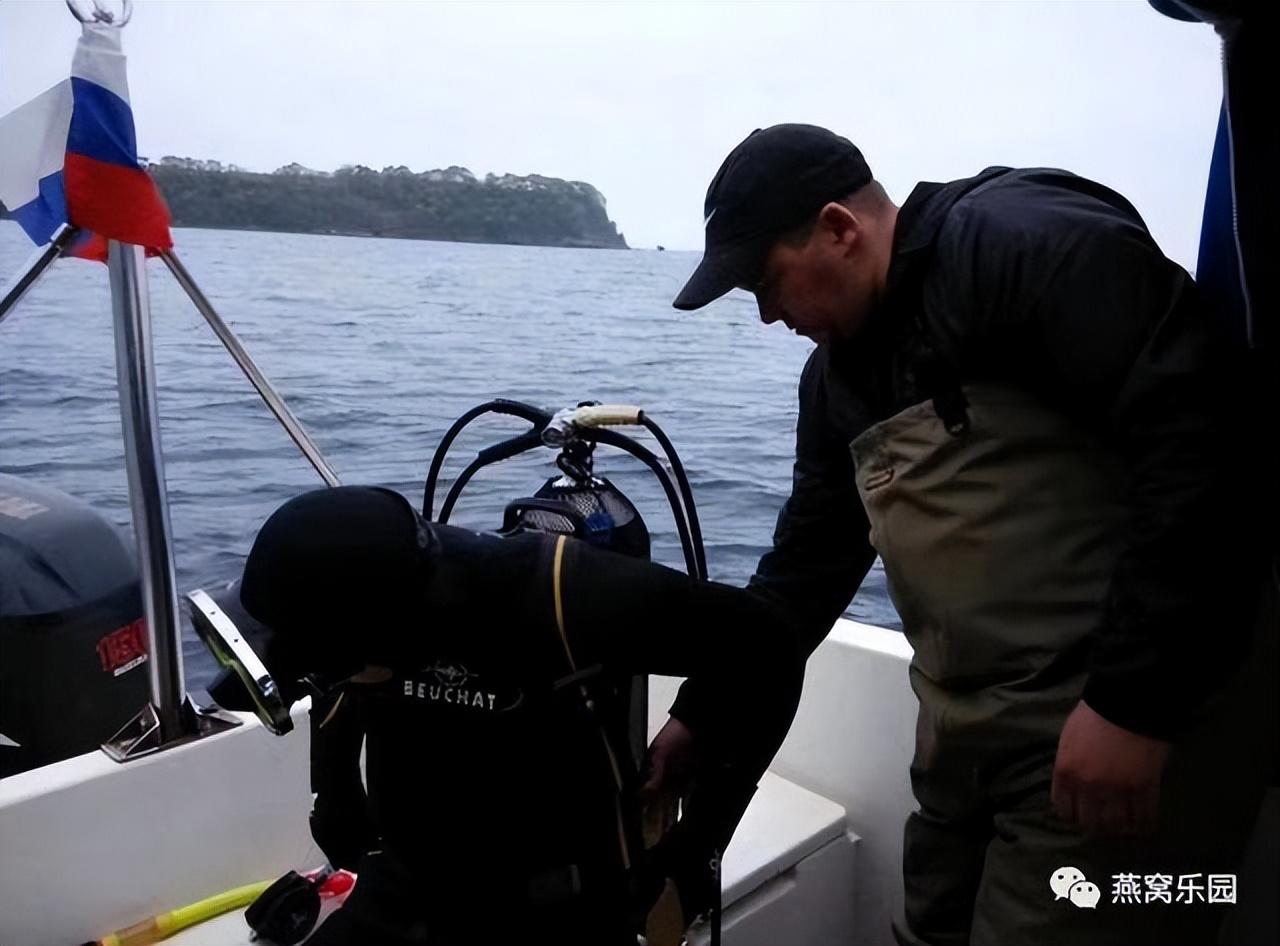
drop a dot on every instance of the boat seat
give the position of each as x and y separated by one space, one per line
788 873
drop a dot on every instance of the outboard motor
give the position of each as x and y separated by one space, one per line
73 643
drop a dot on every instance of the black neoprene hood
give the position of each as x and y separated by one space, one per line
336 574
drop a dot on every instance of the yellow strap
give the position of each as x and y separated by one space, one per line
558 595
555 585
334 709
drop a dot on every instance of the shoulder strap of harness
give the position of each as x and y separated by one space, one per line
578 677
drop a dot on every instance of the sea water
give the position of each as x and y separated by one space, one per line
377 346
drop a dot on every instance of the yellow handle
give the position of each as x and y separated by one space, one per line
166 924
140 934
215 906
608 415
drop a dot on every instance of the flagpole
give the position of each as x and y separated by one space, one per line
44 258
259 381
171 716
140 420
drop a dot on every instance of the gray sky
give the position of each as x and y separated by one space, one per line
644 100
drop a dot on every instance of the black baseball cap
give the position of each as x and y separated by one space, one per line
773 181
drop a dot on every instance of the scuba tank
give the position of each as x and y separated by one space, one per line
579 503
590 508
73 644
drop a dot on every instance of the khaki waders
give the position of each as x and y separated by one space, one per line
999 544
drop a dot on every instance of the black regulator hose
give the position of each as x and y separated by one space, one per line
538 418
686 491
648 458
494 454
683 510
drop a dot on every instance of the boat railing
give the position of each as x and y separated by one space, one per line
171 716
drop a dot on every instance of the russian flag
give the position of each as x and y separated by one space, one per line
70 156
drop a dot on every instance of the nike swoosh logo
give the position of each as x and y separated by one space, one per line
709 216
6 741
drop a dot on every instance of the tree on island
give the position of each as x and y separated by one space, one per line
442 204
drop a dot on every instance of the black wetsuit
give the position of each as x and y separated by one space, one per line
489 784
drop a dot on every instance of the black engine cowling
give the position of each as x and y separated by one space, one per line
73 643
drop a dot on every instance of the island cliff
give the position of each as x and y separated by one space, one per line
447 204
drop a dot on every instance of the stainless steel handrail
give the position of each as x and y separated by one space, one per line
170 717
43 258
144 461
259 381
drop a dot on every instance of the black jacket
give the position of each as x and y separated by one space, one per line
1052 283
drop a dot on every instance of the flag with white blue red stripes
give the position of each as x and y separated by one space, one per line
71 156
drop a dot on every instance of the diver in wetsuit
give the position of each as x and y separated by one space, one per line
481 669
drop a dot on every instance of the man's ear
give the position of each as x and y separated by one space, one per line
841 223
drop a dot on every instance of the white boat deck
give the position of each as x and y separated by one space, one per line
88 846
785 827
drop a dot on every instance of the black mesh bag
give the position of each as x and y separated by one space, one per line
594 512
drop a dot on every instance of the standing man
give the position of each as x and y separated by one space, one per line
1022 406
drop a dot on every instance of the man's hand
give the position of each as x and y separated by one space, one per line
1107 778
671 761
670 767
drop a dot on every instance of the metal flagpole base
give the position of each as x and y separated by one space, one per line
142 736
